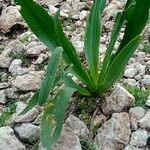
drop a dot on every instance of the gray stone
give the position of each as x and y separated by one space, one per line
139 138
146 80
28 82
10 93
131 147
78 126
148 101
8 140
68 141
145 121
137 112
28 132
4 85
5 59
119 100
3 99
134 124
34 49
115 133
9 18
16 69
26 118
140 69
130 73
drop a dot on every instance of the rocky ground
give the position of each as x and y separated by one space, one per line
121 122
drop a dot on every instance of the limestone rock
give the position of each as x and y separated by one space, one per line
78 126
130 73
10 17
119 100
144 122
115 133
139 138
28 82
3 99
8 140
28 132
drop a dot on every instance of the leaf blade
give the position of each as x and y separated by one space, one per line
92 37
48 82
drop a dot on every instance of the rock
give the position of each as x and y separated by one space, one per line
119 100
28 82
68 141
10 17
28 132
8 140
83 15
139 138
130 73
115 133
131 82
10 93
148 101
42 57
144 123
4 85
34 49
146 80
5 59
28 117
78 126
137 112
16 47
134 124
3 99
16 69
131 147
140 69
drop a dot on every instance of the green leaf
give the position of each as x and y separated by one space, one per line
119 22
92 37
53 117
71 54
40 22
48 125
70 83
32 102
48 82
118 65
61 103
137 22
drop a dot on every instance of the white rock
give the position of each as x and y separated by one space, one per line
5 59
16 69
28 82
34 49
134 123
131 147
3 99
26 118
148 101
130 73
83 15
42 57
119 100
145 121
10 93
139 138
115 133
131 82
68 141
4 85
16 47
140 69
146 80
137 112
8 140
28 132
78 126
9 18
